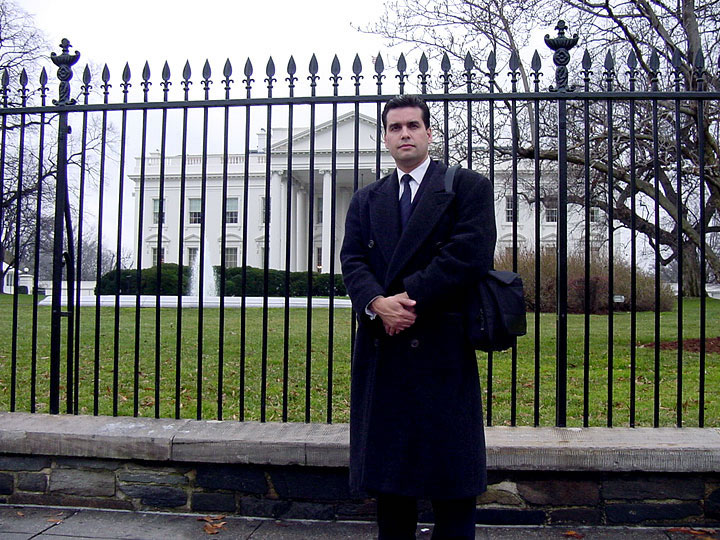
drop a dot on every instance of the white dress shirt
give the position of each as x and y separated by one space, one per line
418 173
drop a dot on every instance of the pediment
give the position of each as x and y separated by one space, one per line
231 237
152 239
508 238
345 136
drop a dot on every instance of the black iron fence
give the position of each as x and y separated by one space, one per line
213 261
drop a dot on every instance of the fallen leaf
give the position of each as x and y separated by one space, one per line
209 529
573 534
210 519
54 520
693 531
20 514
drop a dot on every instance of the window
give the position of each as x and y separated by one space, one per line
509 213
192 257
155 259
231 210
318 261
594 215
158 211
319 210
195 211
231 257
551 215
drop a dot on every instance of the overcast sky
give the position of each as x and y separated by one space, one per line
133 31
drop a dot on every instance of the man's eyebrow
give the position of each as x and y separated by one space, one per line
408 123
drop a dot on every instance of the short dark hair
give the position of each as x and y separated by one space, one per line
406 100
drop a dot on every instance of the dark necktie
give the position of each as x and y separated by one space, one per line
405 200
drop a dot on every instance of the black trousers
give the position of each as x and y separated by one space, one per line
397 518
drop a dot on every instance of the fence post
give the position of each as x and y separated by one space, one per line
561 45
64 62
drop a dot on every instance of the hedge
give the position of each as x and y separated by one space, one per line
148 281
298 282
254 282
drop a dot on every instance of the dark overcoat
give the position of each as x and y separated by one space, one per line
416 418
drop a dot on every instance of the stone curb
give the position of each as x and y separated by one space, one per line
324 445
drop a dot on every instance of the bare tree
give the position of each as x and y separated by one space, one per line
21 48
656 44
22 45
29 150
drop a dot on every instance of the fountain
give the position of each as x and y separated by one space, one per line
207 290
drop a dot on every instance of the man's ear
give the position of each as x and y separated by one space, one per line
429 133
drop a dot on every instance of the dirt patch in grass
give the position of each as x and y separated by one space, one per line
712 345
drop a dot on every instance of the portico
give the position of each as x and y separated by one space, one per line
308 197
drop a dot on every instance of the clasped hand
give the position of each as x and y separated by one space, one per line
397 312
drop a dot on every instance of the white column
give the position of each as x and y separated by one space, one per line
301 228
327 210
343 203
275 244
294 230
282 211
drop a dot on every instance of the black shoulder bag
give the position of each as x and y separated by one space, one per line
496 311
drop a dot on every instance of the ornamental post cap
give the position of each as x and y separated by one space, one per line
561 41
65 58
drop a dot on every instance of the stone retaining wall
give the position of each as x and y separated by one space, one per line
109 468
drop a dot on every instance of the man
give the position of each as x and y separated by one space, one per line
410 255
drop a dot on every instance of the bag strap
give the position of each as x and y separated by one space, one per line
450 178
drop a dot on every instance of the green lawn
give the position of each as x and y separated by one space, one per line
319 354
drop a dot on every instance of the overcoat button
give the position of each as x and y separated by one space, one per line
376 342
414 343
371 243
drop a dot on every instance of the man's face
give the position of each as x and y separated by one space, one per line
407 137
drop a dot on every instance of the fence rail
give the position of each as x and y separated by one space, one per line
605 190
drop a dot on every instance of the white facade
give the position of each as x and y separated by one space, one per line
301 237
548 216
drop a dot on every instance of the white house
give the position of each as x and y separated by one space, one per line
504 214
302 234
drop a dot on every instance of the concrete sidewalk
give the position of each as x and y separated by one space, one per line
33 522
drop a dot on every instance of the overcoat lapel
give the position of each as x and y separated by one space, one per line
385 215
430 207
